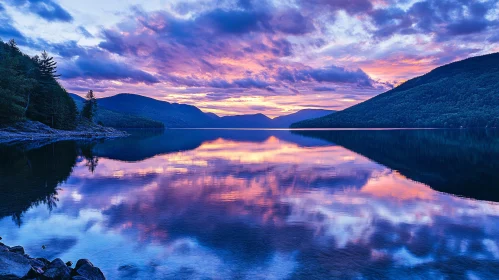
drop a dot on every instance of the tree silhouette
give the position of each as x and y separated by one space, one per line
48 67
90 107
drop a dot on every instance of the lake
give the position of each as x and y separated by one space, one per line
261 204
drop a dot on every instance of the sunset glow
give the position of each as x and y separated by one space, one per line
250 56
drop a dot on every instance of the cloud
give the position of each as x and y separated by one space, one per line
235 22
201 51
331 74
446 19
7 29
100 67
83 31
350 6
67 49
324 89
46 9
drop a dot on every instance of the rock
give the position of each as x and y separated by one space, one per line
4 248
17 249
78 277
38 266
12 264
69 263
86 269
44 261
34 273
57 270
81 262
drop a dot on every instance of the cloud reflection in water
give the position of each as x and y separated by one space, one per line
264 210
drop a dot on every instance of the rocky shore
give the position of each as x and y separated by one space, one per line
29 131
15 264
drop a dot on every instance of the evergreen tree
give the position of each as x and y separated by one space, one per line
48 68
90 107
29 90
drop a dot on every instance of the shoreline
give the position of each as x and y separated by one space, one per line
16 264
30 131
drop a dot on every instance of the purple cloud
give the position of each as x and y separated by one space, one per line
324 89
350 6
331 74
444 18
100 67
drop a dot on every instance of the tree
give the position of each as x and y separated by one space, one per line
29 90
13 45
48 68
90 107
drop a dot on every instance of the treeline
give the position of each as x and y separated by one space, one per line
461 94
29 89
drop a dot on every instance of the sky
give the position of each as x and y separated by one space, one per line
250 56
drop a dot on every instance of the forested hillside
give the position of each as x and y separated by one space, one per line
460 94
29 90
116 119
171 114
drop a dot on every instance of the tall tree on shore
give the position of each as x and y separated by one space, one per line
90 107
49 76
29 90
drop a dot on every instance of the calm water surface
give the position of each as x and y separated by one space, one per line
221 204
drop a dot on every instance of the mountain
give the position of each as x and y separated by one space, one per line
262 121
460 94
121 109
243 121
286 120
171 114
118 120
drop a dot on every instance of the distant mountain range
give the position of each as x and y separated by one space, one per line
460 94
147 112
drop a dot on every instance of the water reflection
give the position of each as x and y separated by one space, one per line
265 205
30 177
461 162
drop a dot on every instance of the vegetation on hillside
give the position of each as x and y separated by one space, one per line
460 94
114 119
89 106
171 114
29 90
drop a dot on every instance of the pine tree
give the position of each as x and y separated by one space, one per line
13 45
49 76
90 107
29 90
48 67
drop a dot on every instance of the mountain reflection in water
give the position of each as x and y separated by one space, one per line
221 204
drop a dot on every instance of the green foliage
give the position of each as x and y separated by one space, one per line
460 94
29 90
90 106
114 119
120 120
